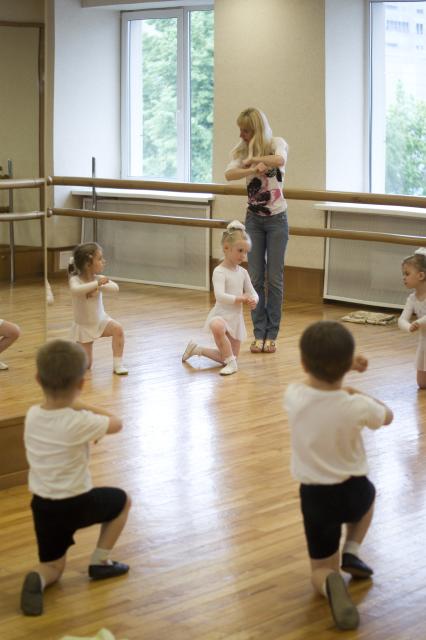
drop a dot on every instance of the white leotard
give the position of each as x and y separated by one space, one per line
416 307
228 284
90 318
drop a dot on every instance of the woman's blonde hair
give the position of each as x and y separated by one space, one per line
235 232
261 142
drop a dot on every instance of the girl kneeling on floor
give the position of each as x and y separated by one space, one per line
232 289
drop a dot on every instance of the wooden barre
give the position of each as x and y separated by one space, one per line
370 236
179 221
16 217
26 183
234 190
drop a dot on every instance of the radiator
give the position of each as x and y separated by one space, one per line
159 254
368 272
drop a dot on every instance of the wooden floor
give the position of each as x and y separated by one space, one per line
215 537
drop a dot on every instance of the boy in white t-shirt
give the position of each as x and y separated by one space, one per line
328 459
57 436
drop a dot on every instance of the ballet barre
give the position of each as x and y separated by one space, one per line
389 199
16 217
215 223
24 183
8 215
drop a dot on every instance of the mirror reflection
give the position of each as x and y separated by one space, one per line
22 295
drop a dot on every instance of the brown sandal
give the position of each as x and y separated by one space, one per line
269 346
256 346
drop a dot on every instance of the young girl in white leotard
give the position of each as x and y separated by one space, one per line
90 319
232 289
414 276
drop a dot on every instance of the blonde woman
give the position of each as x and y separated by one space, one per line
261 159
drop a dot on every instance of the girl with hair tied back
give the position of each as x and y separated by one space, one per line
90 319
232 289
414 277
261 158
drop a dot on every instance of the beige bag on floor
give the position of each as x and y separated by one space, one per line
370 317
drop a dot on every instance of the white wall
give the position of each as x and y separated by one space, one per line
86 101
271 55
346 95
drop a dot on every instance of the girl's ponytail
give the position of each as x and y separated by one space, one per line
72 271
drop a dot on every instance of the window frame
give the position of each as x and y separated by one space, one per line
183 87
370 85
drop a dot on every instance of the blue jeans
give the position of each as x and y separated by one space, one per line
269 237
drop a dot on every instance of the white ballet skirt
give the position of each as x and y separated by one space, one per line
416 307
228 284
90 318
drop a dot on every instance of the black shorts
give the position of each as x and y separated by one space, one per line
56 521
326 507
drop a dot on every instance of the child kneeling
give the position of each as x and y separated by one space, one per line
57 436
329 461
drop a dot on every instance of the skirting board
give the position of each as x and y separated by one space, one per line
13 463
28 262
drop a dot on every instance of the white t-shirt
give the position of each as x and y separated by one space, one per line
326 441
265 192
57 448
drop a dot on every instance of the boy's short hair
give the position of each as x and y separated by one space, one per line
61 364
327 350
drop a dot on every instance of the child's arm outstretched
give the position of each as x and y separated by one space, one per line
115 423
388 411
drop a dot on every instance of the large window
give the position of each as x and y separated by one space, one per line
398 97
167 110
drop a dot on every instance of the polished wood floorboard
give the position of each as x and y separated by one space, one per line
215 538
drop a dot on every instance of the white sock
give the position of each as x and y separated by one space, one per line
351 547
117 362
100 556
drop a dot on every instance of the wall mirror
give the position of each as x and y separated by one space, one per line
22 292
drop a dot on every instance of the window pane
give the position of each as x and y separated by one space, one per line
201 94
399 97
153 98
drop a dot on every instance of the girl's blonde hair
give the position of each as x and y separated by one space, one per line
261 142
417 259
82 255
235 232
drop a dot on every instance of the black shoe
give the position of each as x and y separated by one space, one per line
32 595
355 566
103 571
344 611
